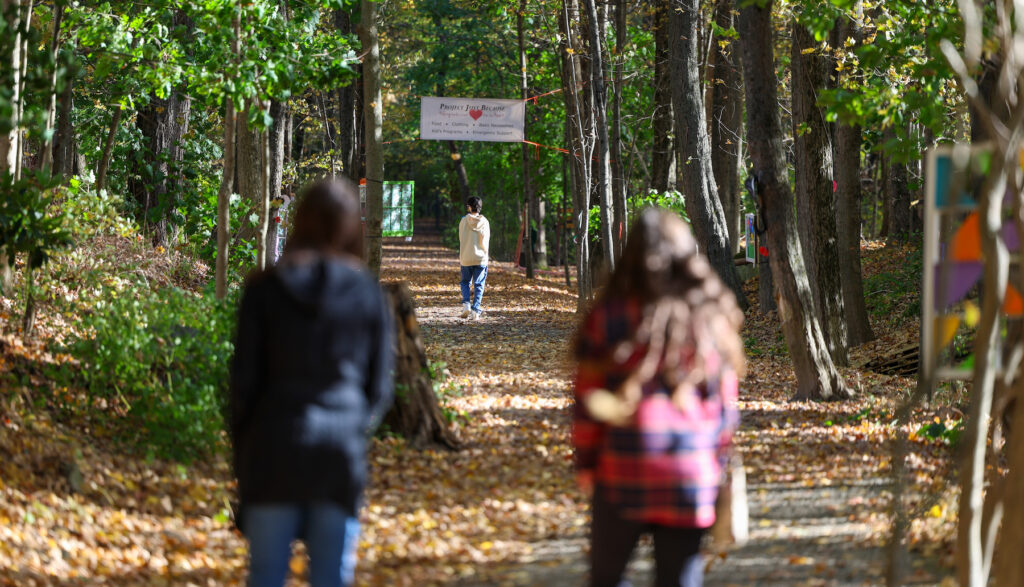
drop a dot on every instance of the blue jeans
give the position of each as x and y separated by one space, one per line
477 275
330 532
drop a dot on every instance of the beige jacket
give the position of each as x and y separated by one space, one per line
474 240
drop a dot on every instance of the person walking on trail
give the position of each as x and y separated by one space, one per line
659 359
310 379
474 240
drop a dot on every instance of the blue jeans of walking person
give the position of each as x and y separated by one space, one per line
475 275
330 532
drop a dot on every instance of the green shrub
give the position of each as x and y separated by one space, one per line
160 360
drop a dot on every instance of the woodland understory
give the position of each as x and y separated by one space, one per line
504 509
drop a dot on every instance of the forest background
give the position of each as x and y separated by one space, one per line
150 150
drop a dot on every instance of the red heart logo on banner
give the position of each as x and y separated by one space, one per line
476 114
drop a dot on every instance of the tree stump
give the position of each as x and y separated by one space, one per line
416 414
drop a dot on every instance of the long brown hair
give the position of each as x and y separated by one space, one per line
688 313
327 220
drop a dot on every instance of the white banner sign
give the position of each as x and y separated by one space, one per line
471 119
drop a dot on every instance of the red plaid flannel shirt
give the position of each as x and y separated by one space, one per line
665 465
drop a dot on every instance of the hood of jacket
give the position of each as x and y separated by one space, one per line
311 279
475 221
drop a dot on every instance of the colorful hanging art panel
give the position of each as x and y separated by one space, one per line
954 263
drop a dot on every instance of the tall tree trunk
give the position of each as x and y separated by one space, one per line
51 108
897 186
726 109
227 178
263 206
528 193
460 174
26 22
815 195
373 114
579 123
817 377
163 123
13 14
663 155
248 162
694 147
848 219
349 110
279 115
602 154
619 177
64 147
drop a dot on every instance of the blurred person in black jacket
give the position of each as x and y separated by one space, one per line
311 379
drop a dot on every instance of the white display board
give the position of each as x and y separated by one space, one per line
472 119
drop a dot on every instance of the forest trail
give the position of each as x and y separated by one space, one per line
505 509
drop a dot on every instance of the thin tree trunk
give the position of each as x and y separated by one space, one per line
602 154
726 123
277 131
663 155
226 180
373 114
528 194
817 377
9 141
263 206
578 122
108 148
849 218
51 108
898 189
694 147
64 147
26 22
618 169
815 195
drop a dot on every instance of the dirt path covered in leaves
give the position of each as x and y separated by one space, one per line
76 508
505 509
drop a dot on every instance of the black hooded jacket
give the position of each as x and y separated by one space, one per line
311 378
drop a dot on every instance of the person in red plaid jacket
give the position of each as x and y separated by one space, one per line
659 360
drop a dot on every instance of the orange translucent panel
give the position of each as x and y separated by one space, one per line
966 243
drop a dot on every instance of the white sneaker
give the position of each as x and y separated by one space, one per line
477 315
466 310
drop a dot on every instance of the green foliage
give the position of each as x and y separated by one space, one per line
29 223
896 291
160 360
939 431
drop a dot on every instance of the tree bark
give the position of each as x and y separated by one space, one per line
348 110
579 122
12 12
279 115
815 195
848 220
248 173
226 179
372 117
726 123
51 108
694 147
817 377
528 192
663 155
602 154
619 178
26 22
163 123
897 186
263 206
416 414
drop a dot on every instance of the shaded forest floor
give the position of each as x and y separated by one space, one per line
75 508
